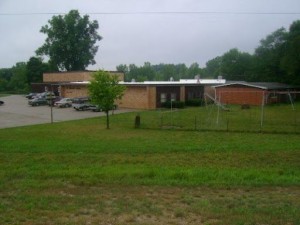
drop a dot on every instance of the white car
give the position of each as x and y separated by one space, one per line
63 103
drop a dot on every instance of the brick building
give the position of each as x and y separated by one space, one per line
62 82
254 93
151 95
138 95
148 94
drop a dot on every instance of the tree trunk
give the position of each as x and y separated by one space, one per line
107 119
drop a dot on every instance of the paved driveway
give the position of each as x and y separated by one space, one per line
16 112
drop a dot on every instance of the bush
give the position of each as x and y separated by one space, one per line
175 104
193 102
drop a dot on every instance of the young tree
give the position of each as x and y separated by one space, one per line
71 41
104 89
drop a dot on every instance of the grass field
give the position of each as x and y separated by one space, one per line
78 172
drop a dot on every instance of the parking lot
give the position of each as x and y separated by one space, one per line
16 112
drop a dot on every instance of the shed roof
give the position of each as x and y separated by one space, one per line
260 85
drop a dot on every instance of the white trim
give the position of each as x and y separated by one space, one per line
240 83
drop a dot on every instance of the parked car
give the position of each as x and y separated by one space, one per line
53 100
95 108
81 103
38 101
31 95
1 102
48 95
63 103
82 106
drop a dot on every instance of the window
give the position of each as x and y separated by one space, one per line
190 95
173 97
163 97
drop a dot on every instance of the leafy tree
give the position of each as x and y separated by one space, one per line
18 81
194 70
181 71
104 89
3 85
122 68
232 65
70 42
133 73
290 62
35 69
5 76
147 71
168 71
213 67
268 57
235 65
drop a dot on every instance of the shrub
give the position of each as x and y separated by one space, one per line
193 102
175 104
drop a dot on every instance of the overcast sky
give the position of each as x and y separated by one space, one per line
156 38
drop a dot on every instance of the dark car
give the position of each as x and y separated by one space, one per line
82 106
1 102
31 95
97 108
38 101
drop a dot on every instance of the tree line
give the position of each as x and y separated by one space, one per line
276 59
70 46
18 78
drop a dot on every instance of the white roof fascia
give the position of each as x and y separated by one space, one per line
181 81
239 83
203 81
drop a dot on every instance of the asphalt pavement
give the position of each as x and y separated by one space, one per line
16 112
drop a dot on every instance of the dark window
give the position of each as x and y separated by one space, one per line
163 97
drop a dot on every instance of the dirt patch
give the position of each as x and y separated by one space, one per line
141 205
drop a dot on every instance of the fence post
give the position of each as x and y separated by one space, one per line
295 122
262 112
227 125
137 121
195 122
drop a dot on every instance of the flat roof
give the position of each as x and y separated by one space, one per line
160 83
180 82
260 85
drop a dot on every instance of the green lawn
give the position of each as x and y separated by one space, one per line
78 172
269 119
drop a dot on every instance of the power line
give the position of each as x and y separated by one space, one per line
158 13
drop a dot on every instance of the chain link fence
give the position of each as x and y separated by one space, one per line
277 118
